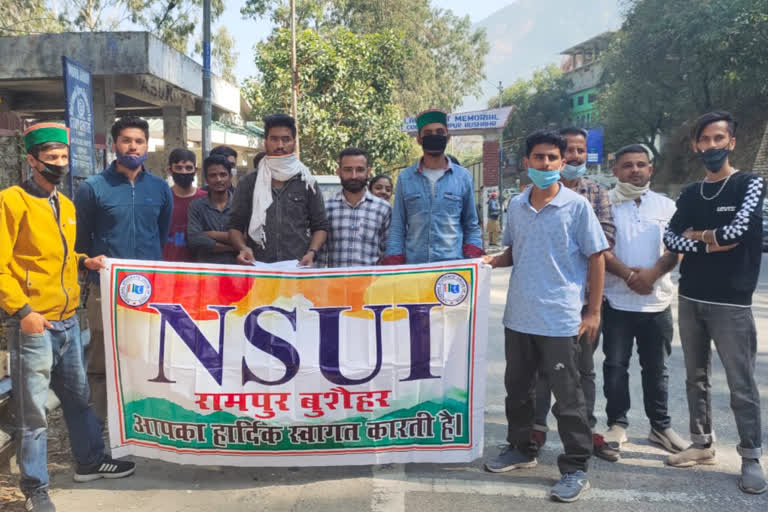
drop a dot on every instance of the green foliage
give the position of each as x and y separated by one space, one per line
173 21
541 102
96 15
223 54
445 59
22 17
675 59
346 89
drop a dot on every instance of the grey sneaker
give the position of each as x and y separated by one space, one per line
615 437
752 478
692 456
570 487
667 439
510 458
39 501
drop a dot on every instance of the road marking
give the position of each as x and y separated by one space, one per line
495 410
521 490
388 493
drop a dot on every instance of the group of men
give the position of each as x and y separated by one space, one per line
581 257
50 244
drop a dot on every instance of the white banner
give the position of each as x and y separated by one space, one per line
231 365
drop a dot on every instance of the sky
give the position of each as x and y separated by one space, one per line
249 32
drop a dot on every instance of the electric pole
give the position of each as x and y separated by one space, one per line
294 75
501 152
207 111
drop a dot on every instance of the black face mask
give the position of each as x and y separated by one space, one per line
434 143
713 159
184 180
53 173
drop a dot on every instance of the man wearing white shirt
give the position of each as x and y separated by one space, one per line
638 293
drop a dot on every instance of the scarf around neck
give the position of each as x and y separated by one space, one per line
280 168
627 192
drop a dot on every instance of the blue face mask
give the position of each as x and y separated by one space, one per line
543 179
131 161
572 172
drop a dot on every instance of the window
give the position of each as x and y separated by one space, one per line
573 102
581 100
592 98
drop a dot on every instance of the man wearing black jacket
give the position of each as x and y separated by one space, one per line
718 226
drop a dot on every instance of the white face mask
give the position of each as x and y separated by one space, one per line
627 192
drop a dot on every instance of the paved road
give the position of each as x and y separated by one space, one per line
640 482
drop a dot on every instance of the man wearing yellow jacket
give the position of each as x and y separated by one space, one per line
39 288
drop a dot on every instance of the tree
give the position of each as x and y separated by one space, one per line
98 15
346 88
540 102
173 21
446 56
223 54
22 17
675 59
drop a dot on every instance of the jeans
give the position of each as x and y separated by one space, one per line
732 328
53 358
95 364
586 364
653 332
555 358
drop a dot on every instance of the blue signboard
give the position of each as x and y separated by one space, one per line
78 87
595 146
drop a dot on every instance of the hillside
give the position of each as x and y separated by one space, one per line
528 34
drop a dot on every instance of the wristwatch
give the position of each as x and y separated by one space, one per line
313 251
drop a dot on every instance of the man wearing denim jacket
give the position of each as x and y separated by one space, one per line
434 217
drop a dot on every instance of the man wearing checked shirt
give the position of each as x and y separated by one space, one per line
557 245
359 221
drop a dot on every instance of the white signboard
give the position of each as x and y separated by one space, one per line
493 119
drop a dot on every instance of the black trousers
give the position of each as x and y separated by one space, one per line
555 358
653 334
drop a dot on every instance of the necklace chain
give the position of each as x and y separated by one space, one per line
701 189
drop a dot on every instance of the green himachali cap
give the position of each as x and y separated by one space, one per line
45 132
431 116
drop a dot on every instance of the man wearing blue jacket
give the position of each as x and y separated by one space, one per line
123 212
434 217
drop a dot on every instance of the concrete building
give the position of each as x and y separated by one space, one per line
581 63
247 139
134 73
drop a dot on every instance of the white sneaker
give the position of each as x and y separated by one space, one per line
668 439
615 436
692 456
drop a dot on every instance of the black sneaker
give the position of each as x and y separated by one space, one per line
39 502
107 468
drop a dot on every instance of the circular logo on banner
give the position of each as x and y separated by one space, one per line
135 290
451 289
